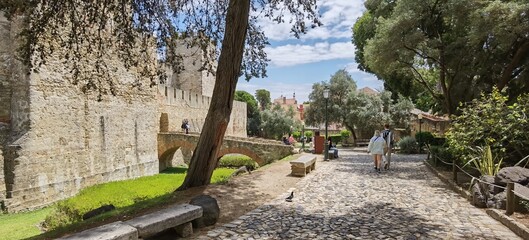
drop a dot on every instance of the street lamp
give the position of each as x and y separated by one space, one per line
420 135
326 96
303 137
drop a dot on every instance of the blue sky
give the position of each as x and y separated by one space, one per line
296 64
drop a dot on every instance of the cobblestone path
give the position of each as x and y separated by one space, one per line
346 199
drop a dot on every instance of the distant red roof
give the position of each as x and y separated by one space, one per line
286 101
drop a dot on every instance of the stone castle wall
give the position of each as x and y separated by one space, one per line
61 140
191 78
180 105
56 140
5 93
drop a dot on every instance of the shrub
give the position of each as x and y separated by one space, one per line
237 161
441 153
345 134
309 135
335 138
424 137
438 141
491 120
524 204
408 145
296 135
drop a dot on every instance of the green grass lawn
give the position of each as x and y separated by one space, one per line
127 196
22 225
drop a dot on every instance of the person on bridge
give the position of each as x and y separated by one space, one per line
377 147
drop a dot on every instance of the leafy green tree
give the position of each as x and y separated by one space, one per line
400 112
340 86
252 111
275 123
442 53
364 111
356 110
263 97
238 39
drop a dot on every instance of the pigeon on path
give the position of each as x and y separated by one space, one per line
289 198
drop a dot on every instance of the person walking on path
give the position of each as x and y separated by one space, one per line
377 146
388 137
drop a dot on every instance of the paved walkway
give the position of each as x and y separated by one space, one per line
346 199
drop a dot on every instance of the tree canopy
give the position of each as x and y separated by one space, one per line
263 97
357 111
450 50
80 27
340 86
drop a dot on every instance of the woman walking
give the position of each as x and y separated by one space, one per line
376 147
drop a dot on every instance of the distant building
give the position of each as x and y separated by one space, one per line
429 123
368 91
291 103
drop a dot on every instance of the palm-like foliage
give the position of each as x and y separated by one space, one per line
484 162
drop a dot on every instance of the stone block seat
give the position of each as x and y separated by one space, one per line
178 217
331 153
303 165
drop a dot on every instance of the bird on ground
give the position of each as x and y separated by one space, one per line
289 198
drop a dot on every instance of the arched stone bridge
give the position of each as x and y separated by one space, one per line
260 150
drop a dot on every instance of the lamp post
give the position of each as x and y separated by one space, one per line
326 153
303 137
420 136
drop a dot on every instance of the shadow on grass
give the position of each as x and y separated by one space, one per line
140 207
174 170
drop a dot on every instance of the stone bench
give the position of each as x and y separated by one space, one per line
178 217
303 165
116 231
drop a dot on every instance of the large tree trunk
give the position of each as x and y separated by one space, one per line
507 73
204 157
444 87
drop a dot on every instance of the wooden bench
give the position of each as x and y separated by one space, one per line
303 165
362 142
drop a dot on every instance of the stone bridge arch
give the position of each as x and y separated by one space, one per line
261 151
243 151
165 156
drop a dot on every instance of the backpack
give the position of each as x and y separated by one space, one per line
386 134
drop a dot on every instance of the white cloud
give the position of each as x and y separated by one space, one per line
337 16
290 55
352 68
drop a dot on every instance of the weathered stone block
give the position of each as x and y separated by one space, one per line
512 174
184 230
113 231
210 210
150 224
